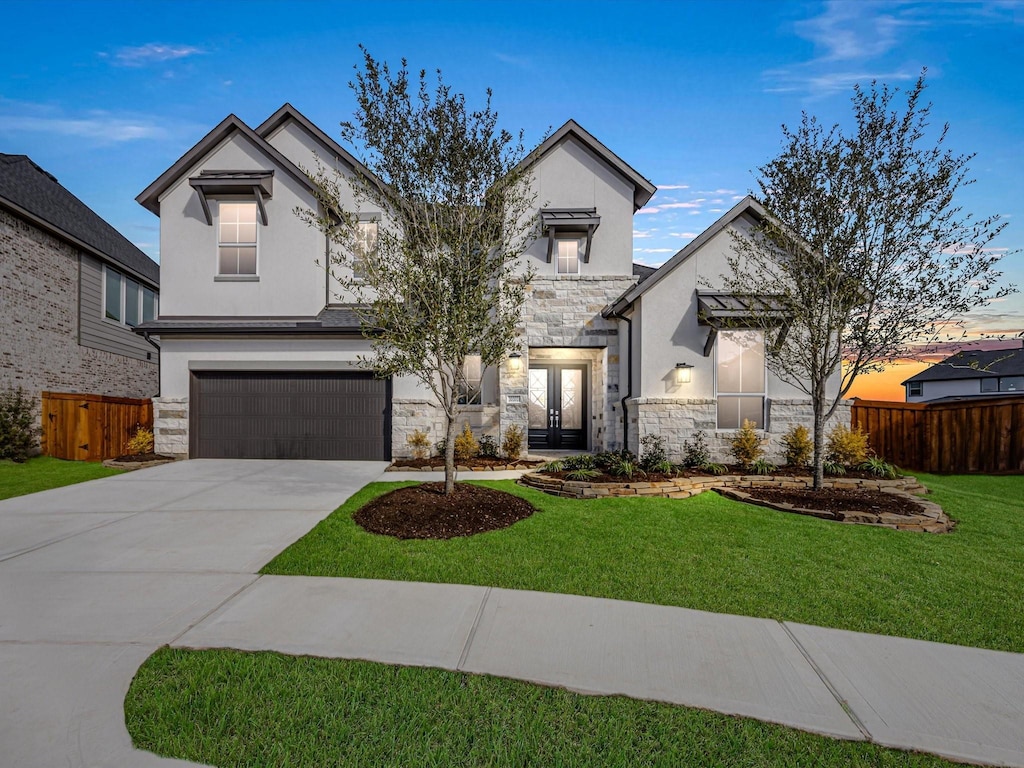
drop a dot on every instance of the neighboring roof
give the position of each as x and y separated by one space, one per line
975 364
288 112
983 396
32 193
149 198
643 190
747 205
643 272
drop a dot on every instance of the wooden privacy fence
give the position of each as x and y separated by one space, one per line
91 427
962 436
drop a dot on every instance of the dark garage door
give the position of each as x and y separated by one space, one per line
289 415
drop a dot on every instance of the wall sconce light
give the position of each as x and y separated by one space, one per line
684 373
515 361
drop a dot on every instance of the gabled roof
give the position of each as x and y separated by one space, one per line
643 189
289 113
32 193
747 205
975 364
149 198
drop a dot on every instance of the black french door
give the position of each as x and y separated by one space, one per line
558 406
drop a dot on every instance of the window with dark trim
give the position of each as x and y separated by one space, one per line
365 246
990 384
567 255
740 378
126 300
236 238
915 389
472 376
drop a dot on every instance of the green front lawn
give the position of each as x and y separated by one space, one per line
714 554
229 708
44 472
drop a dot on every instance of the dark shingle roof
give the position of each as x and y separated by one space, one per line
975 364
643 272
28 187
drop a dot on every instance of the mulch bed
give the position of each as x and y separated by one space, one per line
479 461
731 469
839 500
424 512
138 458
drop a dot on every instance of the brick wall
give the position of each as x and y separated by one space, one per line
39 347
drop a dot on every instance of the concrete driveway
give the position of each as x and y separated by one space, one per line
95 577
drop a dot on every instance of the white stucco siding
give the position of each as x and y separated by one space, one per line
266 354
671 333
290 282
571 176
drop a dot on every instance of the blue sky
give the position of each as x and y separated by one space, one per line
107 95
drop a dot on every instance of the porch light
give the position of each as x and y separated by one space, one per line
684 373
515 360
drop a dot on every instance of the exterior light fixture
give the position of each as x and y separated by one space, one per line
515 360
684 373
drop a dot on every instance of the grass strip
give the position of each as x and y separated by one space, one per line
44 472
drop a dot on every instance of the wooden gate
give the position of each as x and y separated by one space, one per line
91 427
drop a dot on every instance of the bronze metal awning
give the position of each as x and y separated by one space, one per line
554 221
259 184
718 310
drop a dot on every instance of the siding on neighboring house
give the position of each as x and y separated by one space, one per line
39 302
97 332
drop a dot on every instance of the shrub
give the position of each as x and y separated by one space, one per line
846 446
419 443
761 466
833 468
466 446
582 473
879 467
626 468
746 445
581 461
664 467
652 452
512 443
488 447
18 431
553 466
141 441
607 459
713 468
799 446
696 453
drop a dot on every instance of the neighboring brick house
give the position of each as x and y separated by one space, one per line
259 360
71 288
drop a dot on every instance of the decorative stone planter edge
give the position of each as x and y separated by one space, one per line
130 466
932 519
463 468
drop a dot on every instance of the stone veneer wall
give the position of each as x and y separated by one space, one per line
677 419
407 416
564 312
170 426
39 301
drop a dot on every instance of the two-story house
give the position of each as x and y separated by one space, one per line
971 373
72 289
261 360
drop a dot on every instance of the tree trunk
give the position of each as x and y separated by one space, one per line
819 438
449 458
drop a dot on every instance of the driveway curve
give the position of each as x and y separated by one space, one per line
95 577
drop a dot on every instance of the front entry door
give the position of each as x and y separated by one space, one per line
558 407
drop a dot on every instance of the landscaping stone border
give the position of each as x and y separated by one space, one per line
129 466
463 468
931 519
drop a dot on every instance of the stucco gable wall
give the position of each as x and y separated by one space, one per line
290 283
672 335
570 176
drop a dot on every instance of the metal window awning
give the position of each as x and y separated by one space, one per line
259 184
723 311
582 221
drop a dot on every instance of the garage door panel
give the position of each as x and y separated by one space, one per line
290 415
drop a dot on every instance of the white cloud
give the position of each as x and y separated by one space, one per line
654 250
686 235
516 61
672 186
98 126
141 55
641 234
648 211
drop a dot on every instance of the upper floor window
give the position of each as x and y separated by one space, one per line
365 247
236 238
568 255
126 300
472 376
990 384
740 378
915 389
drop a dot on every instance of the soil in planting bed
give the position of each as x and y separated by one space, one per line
839 500
140 458
424 512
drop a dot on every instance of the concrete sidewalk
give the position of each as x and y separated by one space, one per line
962 703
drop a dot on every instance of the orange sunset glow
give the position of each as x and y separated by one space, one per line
886 384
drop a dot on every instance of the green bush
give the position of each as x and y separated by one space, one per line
582 473
488 447
799 446
580 461
761 466
624 467
605 460
18 431
879 467
512 443
746 445
833 468
466 446
846 446
696 453
652 452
